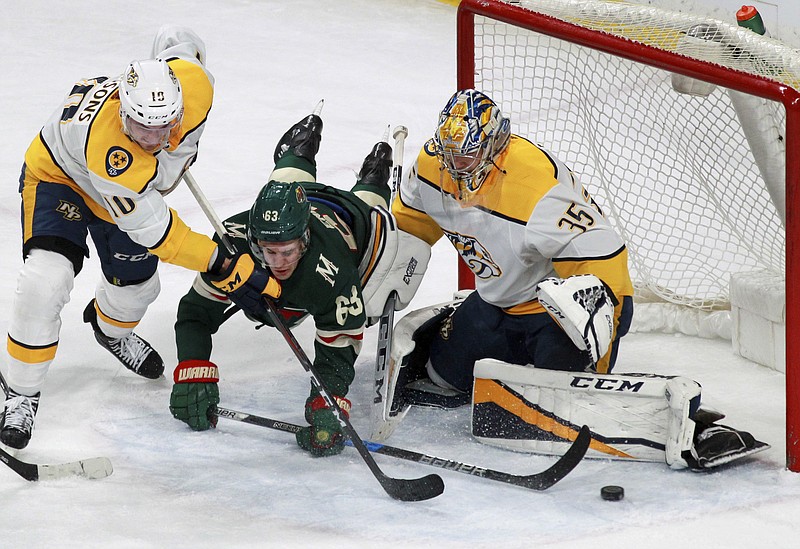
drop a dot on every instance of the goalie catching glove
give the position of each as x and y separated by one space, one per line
583 306
195 393
247 284
324 437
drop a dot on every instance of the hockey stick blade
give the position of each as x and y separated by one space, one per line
537 481
561 468
418 489
92 468
401 489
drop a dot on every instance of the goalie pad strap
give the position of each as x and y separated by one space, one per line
638 417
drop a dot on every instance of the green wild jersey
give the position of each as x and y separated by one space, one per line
326 285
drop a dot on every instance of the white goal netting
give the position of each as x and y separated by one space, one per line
694 182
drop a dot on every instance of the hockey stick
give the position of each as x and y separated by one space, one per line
400 133
402 489
386 321
92 468
536 481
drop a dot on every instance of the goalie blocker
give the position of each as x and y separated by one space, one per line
636 417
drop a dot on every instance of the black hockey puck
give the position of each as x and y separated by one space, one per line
612 493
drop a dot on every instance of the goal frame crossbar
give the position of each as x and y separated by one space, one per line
701 70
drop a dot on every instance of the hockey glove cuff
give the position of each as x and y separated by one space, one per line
195 393
324 437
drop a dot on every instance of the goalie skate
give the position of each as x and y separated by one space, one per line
716 445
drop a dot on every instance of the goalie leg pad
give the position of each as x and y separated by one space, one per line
396 262
407 359
534 410
683 396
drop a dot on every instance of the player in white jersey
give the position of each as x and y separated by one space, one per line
518 217
101 165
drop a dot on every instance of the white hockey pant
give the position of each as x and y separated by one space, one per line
122 307
43 287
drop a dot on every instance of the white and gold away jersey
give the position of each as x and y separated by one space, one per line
531 219
83 145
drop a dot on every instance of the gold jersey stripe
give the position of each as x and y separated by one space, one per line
534 174
527 308
415 222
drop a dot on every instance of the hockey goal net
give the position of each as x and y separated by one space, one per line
678 124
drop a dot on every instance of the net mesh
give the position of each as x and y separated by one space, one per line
676 173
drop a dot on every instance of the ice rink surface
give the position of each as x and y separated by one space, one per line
376 63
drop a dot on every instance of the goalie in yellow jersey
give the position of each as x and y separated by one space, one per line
531 235
553 293
101 165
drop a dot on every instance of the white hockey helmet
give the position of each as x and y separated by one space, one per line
151 103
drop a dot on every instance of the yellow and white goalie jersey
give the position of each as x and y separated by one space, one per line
83 145
531 219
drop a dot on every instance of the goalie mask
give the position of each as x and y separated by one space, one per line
471 132
280 214
151 103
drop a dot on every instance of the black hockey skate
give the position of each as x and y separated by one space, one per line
18 418
377 165
136 354
302 139
716 445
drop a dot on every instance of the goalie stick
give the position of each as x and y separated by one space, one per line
536 481
386 321
417 489
92 468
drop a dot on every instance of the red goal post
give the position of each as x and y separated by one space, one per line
513 49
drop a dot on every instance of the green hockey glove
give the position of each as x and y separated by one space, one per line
324 437
195 394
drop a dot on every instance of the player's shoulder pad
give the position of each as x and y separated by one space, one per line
198 92
113 156
428 149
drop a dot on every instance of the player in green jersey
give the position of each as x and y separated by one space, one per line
319 242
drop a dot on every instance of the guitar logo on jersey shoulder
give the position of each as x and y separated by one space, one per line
475 254
117 161
429 148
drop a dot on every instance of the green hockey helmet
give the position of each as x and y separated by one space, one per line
280 213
